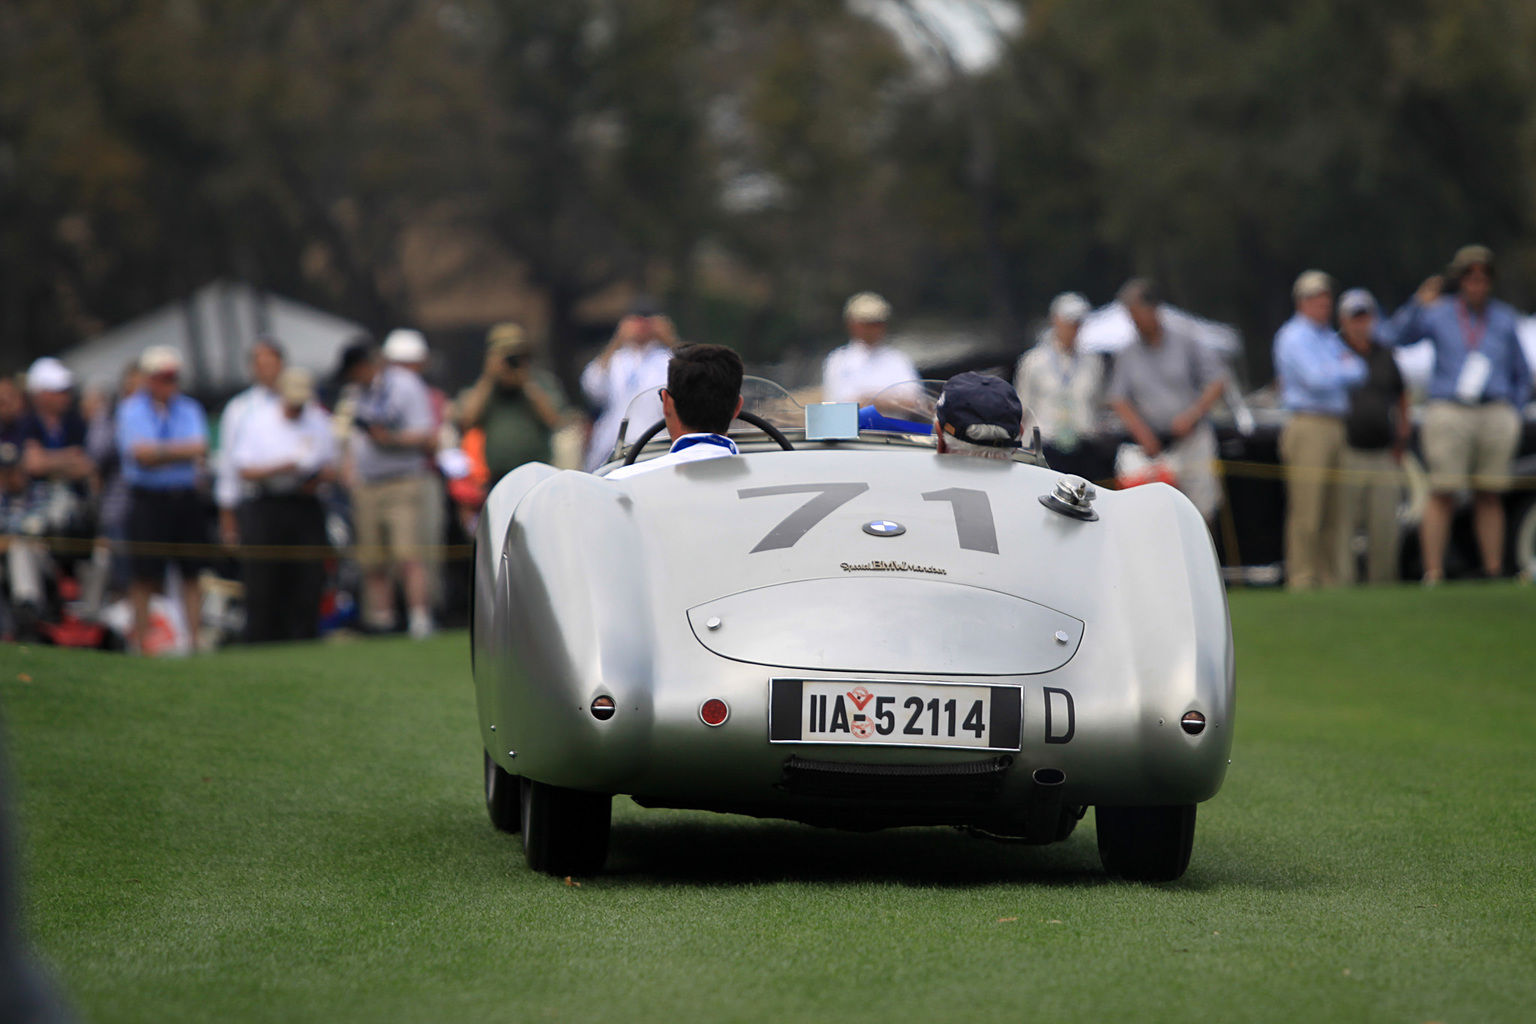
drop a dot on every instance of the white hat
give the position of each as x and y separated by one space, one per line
48 374
867 308
405 346
158 359
1070 306
1310 283
1357 301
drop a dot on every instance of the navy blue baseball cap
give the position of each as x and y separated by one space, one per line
981 409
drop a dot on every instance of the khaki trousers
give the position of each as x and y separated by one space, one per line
1373 488
1312 448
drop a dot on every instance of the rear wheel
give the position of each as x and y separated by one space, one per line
565 831
1146 844
502 797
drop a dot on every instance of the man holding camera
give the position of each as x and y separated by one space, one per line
517 407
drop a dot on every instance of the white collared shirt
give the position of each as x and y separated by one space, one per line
688 448
856 372
272 439
613 386
227 485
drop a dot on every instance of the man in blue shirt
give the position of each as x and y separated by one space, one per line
1315 371
1471 426
162 436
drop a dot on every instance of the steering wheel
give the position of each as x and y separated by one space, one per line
749 418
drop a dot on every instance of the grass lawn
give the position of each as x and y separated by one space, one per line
297 835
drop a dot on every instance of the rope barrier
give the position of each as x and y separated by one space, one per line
462 552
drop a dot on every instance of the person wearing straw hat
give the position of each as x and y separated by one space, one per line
162 437
286 456
865 366
1471 425
517 407
1316 371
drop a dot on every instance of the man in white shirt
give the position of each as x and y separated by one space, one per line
634 361
702 397
286 454
266 364
866 365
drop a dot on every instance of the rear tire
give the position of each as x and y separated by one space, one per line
503 797
1146 844
565 831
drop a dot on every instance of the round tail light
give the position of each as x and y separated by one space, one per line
1193 722
603 708
714 711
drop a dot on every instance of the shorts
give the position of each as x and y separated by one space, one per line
387 519
1469 445
160 523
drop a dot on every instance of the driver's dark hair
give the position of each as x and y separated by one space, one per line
704 382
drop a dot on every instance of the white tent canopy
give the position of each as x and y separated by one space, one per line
215 329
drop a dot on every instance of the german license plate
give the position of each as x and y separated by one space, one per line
895 713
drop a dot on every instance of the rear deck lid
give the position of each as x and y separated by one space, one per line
869 624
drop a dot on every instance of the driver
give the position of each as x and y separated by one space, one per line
702 397
978 415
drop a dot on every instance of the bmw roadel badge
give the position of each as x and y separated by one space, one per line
884 528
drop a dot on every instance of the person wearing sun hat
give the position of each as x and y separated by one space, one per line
1480 381
162 437
516 405
865 366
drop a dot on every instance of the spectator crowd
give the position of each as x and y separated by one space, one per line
105 499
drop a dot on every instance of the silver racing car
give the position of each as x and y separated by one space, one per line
842 627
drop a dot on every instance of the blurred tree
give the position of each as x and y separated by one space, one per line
1223 148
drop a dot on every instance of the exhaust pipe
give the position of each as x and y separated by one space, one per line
1043 821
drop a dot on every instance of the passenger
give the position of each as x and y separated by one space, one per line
1471 426
702 397
865 366
978 415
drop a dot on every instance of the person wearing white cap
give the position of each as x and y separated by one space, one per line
58 472
162 437
286 456
1376 430
394 431
1063 386
1315 371
407 349
228 493
865 366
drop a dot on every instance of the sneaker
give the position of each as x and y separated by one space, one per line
421 625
